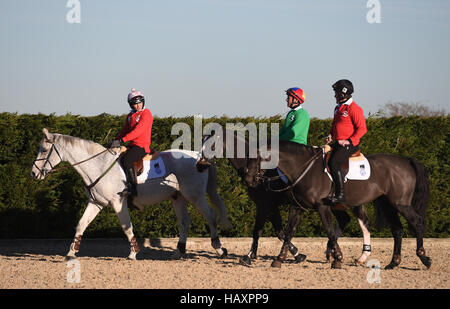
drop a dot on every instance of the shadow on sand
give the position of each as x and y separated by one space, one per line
105 249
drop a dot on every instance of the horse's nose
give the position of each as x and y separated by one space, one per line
34 174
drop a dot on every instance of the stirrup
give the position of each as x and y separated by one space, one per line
337 199
126 192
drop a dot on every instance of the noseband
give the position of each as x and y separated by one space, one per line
43 171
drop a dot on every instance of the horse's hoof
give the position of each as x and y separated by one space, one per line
300 258
224 253
358 263
426 261
276 263
336 264
245 260
391 266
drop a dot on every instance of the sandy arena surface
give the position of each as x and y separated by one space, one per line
103 264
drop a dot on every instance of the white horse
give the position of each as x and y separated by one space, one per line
103 179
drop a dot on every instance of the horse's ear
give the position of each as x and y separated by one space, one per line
47 134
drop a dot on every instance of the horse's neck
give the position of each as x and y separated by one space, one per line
293 163
74 153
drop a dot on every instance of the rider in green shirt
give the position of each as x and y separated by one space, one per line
296 126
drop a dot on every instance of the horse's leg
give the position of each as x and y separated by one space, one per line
288 238
89 214
211 189
121 209
342 219
363 220
325 215
293 220
262 211
210 216
180 208
275 218
418 228
386 212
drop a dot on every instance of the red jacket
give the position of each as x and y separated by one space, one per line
138 129
348 123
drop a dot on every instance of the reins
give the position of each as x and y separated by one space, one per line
309 164
75 164
88 187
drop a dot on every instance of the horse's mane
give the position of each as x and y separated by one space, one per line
91 147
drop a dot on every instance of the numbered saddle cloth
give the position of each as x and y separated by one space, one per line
150 169
358 168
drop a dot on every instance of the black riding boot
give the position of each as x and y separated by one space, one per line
130 189
339 193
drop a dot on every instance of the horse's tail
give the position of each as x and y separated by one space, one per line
211 189
422 190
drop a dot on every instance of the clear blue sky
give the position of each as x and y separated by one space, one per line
220 57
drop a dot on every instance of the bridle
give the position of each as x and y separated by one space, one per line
44 172
261 178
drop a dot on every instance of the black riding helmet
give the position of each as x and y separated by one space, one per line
344 88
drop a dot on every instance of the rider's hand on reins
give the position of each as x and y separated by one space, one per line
115 143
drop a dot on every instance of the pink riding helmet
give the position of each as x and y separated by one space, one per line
134 96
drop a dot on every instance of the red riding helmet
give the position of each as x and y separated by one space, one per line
296 93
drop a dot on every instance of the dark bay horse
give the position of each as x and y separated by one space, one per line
396 185
268 203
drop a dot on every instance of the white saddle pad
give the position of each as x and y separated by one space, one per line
357 170
151 169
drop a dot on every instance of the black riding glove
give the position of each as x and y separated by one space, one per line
116 143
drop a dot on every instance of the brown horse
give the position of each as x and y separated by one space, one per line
268 202
396 185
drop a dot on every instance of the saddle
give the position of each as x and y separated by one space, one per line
139 165
357 156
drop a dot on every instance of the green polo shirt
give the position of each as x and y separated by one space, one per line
296 126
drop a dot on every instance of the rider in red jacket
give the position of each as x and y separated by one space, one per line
137 130
349 125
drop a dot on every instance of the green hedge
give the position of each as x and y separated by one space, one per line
52 208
